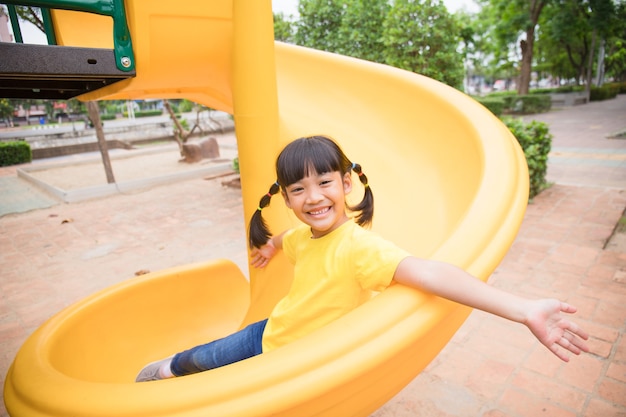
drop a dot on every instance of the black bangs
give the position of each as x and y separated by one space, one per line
304 156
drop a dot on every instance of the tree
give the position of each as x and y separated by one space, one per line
283 28
94 114
615 56
319 24
601 22
6 111
514 22
32 15
570 32
361 30
421 36
565 39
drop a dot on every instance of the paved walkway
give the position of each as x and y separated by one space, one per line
52 257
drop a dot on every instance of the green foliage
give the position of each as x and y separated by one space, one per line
494 104
236 165
423 37
512 103
527 104
361 31
183 123
419 36
536 142
185 106
145 113
283 28
319 24
605 92
6 108
621 87
12 153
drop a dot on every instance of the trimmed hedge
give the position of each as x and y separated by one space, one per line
606 92
13 153
511 103
146 113
621 87
494 104
536 141
528 104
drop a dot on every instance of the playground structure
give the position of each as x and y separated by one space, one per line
450 184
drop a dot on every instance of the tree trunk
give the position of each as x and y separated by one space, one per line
527 61
179 132
94 115
590 63
600 69
536 6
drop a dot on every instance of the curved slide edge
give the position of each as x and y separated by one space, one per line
450 183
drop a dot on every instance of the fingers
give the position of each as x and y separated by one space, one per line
568 308
258 260
569 342
560 353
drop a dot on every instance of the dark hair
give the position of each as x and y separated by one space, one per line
299 159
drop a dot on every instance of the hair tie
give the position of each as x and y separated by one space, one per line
259 208
277 184
353 166
269 195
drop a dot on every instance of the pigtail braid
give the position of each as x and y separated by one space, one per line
258 231
366 206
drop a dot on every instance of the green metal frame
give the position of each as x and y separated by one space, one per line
122 43
15 24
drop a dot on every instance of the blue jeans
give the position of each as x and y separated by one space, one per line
241 345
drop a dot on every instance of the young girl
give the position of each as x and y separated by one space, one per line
338 264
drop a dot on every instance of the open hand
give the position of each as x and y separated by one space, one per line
260 257
554 331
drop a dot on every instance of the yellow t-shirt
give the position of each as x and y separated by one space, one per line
333 275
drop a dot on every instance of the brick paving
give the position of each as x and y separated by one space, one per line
52 257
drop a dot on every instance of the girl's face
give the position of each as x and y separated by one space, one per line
319 200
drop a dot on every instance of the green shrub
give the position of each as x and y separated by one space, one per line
145 113
606 92
542 91
528 104
494 104
500 94
621 87
107 117
13 153
536 141
185 106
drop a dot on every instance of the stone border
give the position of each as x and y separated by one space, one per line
218 167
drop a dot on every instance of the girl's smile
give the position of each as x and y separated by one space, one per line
319 200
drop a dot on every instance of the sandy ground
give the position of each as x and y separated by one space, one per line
147 161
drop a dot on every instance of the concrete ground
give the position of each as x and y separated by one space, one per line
54 254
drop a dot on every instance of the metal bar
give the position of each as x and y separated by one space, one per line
15 24
124 57
48 26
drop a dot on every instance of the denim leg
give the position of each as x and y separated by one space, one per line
238 346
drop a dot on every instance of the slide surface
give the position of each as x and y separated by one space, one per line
450 183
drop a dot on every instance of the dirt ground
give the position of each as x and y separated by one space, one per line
148 161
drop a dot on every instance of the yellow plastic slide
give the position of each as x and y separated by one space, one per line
450 183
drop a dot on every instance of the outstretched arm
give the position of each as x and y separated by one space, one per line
543 317
260 257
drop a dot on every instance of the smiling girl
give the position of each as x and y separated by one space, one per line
338 264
